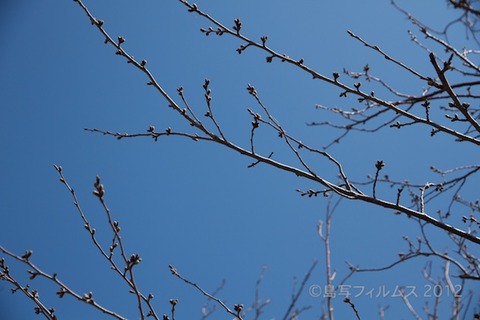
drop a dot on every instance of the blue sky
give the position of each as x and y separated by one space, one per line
196 205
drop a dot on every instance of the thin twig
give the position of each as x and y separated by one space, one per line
236 313
296 296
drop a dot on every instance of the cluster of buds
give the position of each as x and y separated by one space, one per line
238 308
99 190
134 259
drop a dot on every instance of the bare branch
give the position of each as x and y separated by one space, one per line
64 289
236 312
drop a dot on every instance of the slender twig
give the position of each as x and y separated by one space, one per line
325 236
347 300
296 295
206 312
258 304
237 308
209 113
388 57
379 166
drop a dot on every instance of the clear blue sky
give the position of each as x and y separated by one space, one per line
196 205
